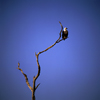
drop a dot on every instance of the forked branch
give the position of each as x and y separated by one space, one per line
35 77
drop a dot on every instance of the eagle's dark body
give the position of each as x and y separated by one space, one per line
64 34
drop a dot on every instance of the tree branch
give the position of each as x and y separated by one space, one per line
25 77
57 41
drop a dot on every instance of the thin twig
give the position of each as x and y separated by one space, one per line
37 86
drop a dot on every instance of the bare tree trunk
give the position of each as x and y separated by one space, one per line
33 92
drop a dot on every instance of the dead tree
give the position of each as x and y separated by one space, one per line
35 77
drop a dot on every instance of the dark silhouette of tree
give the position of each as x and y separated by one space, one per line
37 55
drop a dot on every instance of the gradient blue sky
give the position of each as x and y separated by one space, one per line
71 69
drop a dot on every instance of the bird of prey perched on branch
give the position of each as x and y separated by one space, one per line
64 34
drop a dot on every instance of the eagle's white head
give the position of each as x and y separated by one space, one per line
65 29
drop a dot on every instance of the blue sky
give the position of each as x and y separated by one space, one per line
71 69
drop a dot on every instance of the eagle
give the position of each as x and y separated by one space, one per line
64 34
